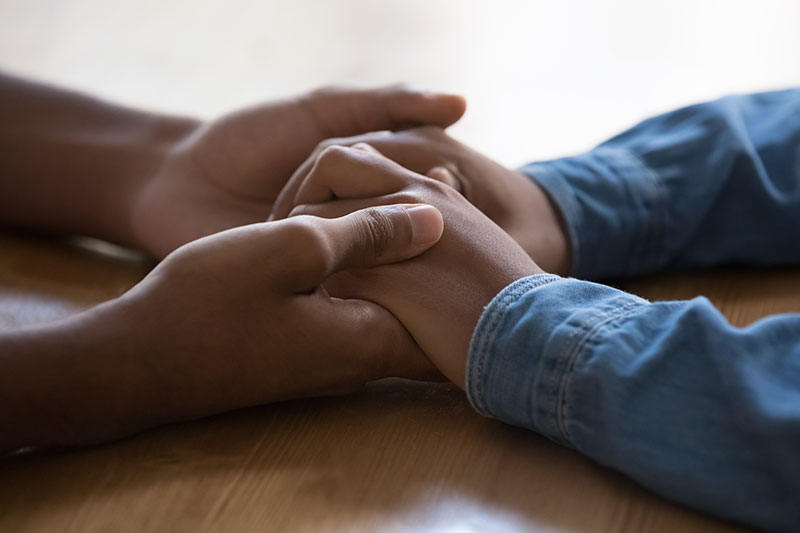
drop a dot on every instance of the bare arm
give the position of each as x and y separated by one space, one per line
74 381
70 163
190 340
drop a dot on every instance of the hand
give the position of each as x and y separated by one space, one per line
512 200
228 321
439 295
228 172
240 318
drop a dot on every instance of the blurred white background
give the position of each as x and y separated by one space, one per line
542 78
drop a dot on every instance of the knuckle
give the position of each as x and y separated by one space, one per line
378 231
423 191
333 154
307 245
430 186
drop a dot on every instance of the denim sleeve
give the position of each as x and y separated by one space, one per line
669 393
713 183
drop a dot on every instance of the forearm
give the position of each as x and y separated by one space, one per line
669 393
76 381
72 164
708 184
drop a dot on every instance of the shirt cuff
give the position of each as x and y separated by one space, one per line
615 209
525 345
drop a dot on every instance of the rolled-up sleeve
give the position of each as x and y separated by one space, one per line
712 183
669 393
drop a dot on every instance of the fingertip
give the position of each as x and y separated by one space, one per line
457 101
452 106
412 105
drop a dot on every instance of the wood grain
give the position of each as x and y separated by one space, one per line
397 456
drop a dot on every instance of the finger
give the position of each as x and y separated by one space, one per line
371 336
340 208
413 149
384 234
285 200
446 176
357 172
343 112
363 239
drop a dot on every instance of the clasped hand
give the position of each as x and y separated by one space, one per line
346 289
440 294
382 270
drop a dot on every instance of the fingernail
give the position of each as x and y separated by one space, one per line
426 224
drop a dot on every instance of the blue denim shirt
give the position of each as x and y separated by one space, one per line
669 393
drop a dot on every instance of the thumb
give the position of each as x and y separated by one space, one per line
383 234
367 238
346 112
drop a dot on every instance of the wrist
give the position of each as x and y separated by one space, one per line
158 142
544 234
71 163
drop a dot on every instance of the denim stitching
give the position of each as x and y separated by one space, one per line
486 330
589 329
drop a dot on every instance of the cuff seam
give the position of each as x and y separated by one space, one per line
632 177
486 329
591 331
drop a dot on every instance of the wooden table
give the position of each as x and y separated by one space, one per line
397 456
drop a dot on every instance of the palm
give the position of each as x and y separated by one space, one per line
229 172
243 160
